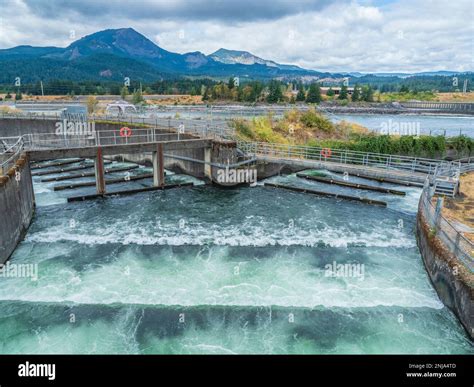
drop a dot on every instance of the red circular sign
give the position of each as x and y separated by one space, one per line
125 132
326 152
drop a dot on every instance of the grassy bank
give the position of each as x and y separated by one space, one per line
313 129
407 96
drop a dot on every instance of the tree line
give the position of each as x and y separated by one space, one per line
249 91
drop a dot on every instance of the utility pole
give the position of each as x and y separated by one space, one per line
42 90
464 88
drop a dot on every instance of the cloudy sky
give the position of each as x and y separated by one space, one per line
364 35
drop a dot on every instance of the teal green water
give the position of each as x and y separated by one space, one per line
205 270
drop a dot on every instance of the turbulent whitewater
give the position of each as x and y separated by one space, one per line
205 270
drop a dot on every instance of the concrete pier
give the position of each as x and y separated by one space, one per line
158 167
99 172
207 160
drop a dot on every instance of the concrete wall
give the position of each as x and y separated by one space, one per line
452 281
171 164
14 127
222 152
267 169
17 203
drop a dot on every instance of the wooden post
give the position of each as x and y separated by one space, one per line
158 167
99 172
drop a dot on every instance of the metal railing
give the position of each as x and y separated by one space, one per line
10 152
38 141
205 127
466 164
446 177
186 125
431 105
343 156
456 242
216 118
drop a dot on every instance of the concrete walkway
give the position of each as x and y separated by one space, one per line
351 169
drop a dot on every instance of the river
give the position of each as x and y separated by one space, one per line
416 124
206 270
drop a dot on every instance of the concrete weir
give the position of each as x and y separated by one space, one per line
128 192
107 181
328 194
344 183
17 204
88 174
64 170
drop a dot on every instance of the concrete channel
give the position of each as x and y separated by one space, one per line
202 158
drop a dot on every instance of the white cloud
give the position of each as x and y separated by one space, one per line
406 35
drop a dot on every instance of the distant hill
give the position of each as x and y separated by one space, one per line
113 54
406 75
129 53
246 58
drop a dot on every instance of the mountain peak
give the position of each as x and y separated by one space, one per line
120 52
121 41
226 56
226 51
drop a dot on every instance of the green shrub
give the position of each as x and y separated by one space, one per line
312 119
423 146
462 144
242 129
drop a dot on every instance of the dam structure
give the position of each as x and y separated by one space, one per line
186 265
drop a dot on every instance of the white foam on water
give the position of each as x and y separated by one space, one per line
223 235
98 337
130 276
217 279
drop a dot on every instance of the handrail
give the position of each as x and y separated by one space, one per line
204 129
103 138
457 243
13 151
342 150
344 156
151 118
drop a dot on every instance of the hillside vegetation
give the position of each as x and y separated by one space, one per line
314 129
295 127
